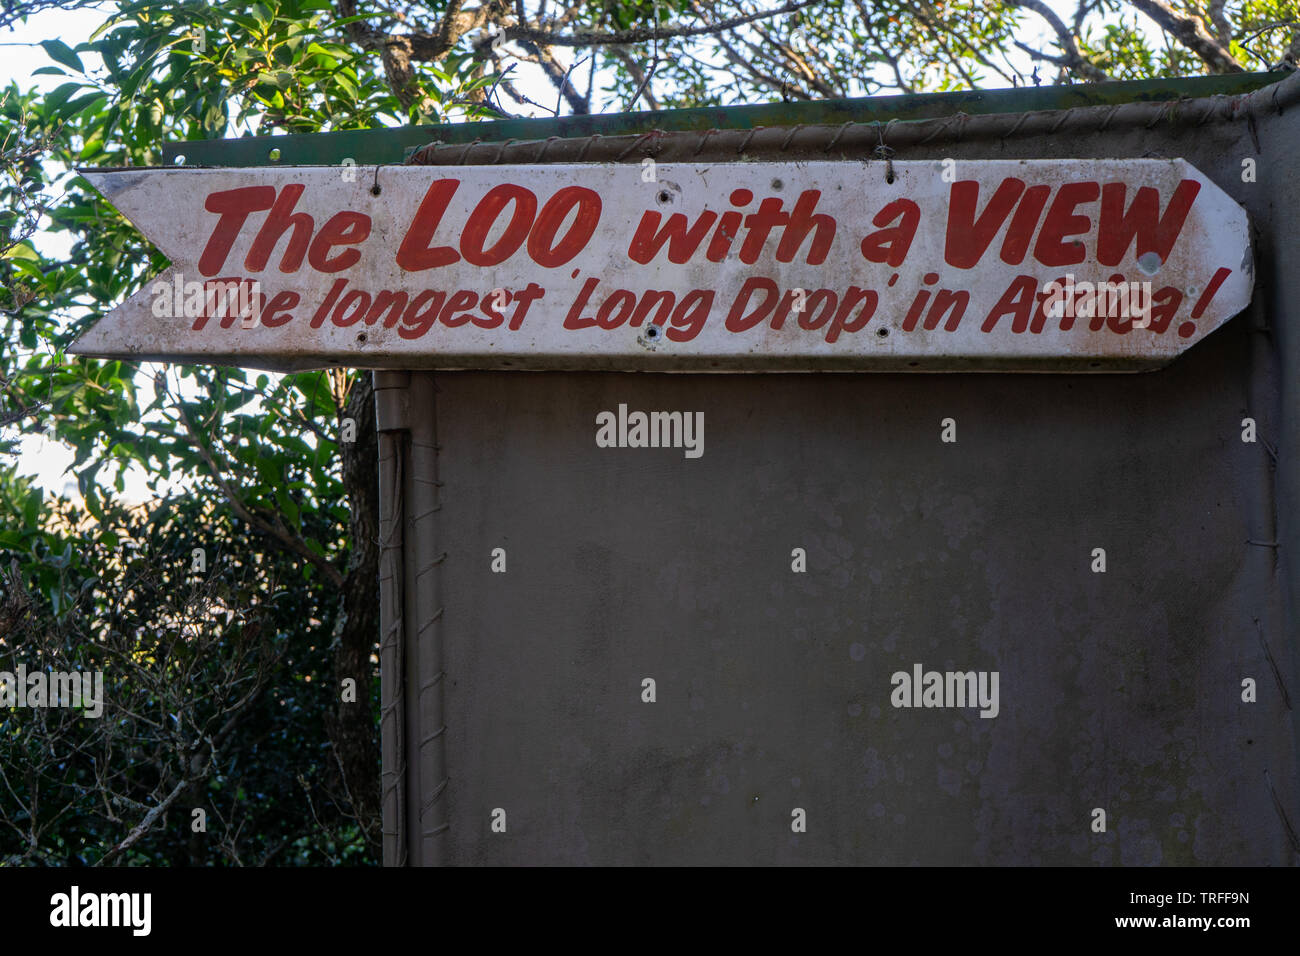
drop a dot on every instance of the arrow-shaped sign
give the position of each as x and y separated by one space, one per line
1084 265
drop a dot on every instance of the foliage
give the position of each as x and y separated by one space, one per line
212 690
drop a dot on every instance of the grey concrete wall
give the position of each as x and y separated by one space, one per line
1119 691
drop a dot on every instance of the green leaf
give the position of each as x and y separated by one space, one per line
32 507
60 52
21 250
347 83
60 95
344 21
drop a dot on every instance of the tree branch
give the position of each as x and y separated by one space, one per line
641 78
418 45
783 87
1190 32
1071 57
1222 28
545 58
146 824
646 34
893 59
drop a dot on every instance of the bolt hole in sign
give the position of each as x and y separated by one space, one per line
1075 265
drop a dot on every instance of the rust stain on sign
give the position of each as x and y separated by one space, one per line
1063 265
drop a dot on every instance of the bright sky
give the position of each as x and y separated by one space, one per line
23 54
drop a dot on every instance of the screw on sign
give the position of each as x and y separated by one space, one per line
1076 265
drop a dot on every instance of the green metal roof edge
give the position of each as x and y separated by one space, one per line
392 144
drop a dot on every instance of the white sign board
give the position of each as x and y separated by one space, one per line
1086 265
